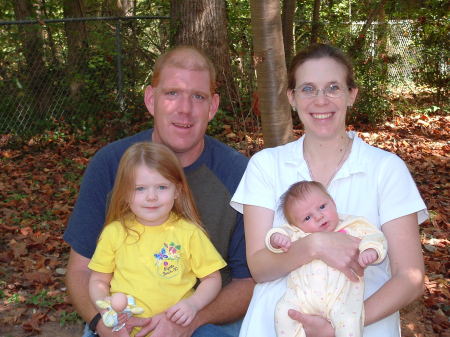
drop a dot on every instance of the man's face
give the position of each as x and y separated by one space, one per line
182 105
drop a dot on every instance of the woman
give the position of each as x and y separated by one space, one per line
362 179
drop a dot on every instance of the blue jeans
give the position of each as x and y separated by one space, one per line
208 330
212 330
88 332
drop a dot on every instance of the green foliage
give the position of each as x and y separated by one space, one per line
44 300
215 126
372 105
91 98
433 68
69 318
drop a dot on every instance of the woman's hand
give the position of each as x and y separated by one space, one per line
314 326
339 251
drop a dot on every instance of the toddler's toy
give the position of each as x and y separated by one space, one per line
118 303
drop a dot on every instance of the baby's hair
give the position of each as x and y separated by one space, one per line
163 160
299 191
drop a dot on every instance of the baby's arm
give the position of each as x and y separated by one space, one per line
367 257
185 310
280 241
373 245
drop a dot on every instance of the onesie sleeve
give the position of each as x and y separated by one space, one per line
205 259
371 236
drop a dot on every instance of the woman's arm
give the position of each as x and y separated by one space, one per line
336 249
407 268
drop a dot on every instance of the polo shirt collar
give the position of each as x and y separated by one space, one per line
353 165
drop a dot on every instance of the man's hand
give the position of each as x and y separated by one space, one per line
161 326
314 326
104 331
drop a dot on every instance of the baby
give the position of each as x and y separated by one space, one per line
316 288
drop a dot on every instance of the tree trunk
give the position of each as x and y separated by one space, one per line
315 24
203 23
382 37
355 49
77 44
37 81
287 20
116 7
271 72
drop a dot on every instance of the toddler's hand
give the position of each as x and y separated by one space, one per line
182 313
367 257
280 241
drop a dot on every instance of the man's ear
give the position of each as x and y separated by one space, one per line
149 99
214 106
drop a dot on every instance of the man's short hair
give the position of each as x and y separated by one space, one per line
185 57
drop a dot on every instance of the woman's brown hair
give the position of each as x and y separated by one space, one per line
317 51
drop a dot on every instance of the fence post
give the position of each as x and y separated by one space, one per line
119 64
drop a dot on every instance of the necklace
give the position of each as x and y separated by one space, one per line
339 165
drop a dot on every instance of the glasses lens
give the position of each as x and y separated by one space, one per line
333 91
306 91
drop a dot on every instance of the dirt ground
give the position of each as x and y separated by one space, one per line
50 329
413 319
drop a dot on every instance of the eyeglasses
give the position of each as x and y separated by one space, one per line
310 91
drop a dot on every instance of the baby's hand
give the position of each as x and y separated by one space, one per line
367 257
182 313
280 241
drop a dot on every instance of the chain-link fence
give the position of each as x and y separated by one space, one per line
90 69
76 69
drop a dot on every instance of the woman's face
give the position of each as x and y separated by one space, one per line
321 115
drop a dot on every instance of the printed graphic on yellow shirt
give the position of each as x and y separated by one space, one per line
167 260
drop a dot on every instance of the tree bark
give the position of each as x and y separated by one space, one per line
37 81
271 72
315 24
203 23
77 44
287 22
355 49
116 7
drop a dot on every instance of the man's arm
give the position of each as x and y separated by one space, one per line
77 282
230 305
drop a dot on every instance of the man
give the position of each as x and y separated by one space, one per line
182 100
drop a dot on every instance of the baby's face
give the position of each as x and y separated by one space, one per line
316 213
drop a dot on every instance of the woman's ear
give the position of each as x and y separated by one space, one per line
291 97
353 93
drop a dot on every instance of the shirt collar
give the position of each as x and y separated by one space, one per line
353 165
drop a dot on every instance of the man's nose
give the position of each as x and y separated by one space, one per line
186 103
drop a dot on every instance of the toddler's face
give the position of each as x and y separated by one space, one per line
316 213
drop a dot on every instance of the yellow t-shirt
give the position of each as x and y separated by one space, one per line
158 268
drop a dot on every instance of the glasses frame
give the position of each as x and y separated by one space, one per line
315 93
